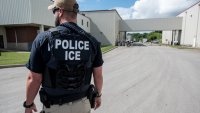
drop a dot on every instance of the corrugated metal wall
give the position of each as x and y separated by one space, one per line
102 26
40 14
151 24
167 37
25 12
198 29
190 30
15 12
83 22
117 33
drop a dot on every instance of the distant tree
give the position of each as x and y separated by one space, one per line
157 35
137 36
158 32
154 36
145 35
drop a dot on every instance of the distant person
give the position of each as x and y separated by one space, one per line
62 62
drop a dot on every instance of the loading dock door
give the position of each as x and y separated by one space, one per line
1 42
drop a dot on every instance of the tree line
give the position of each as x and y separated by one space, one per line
138 37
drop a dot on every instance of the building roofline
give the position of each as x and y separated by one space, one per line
103 11
98 10
83 15
24 24
154 18
190 7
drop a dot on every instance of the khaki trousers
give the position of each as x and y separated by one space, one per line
78 106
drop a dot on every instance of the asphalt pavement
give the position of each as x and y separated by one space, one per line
139 79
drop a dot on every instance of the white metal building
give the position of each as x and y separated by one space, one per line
190 33
22 20
104 25
83 22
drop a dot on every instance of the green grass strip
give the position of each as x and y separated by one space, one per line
13 58
107 48
181 47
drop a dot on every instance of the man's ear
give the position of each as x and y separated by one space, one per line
61 12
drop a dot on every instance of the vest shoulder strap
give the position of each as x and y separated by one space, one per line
54 32
80 31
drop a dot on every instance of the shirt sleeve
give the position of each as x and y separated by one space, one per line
35 62
98 61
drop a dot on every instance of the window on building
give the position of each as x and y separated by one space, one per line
82 21
87 24
1 41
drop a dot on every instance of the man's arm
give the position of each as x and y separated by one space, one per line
98 78
98 82
32 86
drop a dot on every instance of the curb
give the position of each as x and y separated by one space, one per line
11 66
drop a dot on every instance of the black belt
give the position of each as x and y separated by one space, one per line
57 97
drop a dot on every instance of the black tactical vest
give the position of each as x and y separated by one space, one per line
72 55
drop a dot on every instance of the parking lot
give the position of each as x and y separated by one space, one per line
139 79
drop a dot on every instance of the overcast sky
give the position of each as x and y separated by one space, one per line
138 9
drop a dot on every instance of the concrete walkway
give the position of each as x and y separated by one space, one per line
136 80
